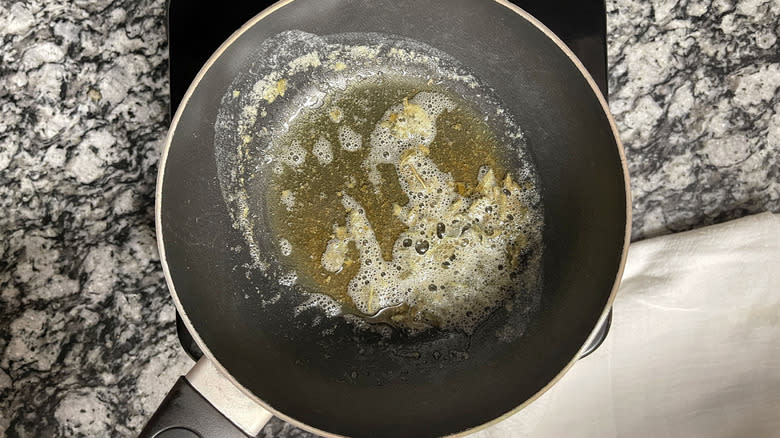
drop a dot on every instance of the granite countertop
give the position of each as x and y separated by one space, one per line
88 343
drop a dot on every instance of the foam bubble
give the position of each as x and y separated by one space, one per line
288 279
294 155
349 139
407 124
324 302
285 247
323 150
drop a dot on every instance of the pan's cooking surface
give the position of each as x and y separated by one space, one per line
370 386
358 131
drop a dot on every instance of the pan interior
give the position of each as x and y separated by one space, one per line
361 383
279 122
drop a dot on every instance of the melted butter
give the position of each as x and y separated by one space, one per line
414 207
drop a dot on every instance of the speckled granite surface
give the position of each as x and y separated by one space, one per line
694 89
87 335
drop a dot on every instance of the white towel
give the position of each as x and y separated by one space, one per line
694 348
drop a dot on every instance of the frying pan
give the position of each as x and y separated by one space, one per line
262 359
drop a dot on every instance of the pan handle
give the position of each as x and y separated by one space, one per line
206 404
598 336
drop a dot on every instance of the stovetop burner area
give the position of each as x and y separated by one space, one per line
194 33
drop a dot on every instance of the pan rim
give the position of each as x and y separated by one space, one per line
202 345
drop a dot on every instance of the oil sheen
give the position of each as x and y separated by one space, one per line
394 191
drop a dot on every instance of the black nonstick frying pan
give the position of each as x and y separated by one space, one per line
261 357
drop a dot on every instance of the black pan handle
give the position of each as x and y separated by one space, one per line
600 334
185 413
205 404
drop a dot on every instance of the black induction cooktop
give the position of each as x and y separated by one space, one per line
195 32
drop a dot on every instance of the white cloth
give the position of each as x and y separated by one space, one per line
694 349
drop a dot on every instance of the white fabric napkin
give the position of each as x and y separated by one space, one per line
694 348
